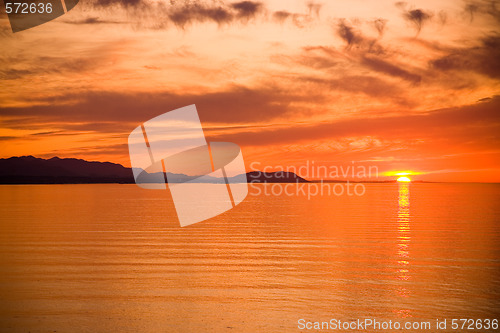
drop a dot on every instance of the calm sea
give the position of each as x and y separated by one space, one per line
112 258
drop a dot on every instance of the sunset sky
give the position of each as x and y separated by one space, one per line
400 85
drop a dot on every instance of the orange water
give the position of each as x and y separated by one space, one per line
111 258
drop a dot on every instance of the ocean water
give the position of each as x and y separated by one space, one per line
112 258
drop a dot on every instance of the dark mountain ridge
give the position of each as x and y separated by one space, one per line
34 170
274 177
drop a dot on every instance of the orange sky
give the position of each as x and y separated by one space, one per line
403 86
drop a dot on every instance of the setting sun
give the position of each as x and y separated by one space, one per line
404 180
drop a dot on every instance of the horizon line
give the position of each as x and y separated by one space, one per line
313 180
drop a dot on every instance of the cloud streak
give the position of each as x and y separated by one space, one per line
482 59
483 7
477 123
183 14
390 68
252 105
300 20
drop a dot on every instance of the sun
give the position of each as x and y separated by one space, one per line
404 180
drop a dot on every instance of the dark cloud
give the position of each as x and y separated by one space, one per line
401 4
281 16
347 33
442 17
355 40
483 7
362 84
50 65
389 68
317 57
92 20
418 17
123 3
13 73
190 13
56 133
238 104
91 152
317 62
98 127
247 9
331 76
471 8
472 123
219 13
314 8
300 20
185 13
108 112
39 134
160 15
380 25
366 52
493 9
483 59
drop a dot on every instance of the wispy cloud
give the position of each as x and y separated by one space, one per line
476 123
380 25
253 105
355 39
389 68
483 7
93 20
482 58
300 20
183 14
416 16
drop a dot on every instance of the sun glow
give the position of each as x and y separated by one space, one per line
401 173
404 180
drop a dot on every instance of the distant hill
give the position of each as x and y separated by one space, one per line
33 170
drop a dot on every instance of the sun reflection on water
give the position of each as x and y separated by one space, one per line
403 243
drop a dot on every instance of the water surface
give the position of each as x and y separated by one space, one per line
112 258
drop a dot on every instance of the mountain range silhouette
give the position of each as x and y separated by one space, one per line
33 170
